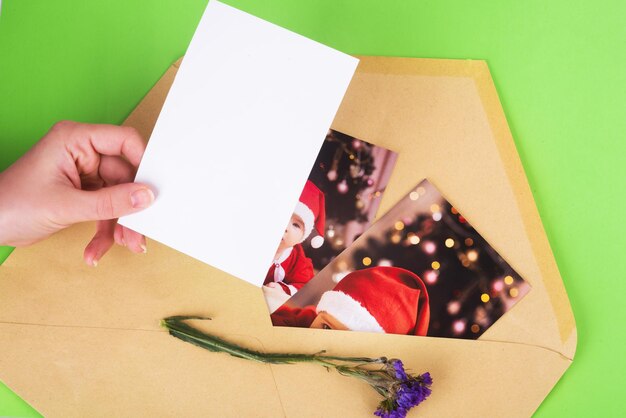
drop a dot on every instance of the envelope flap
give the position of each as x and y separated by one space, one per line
444 119
112 372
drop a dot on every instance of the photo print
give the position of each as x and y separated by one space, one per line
338 203
419 270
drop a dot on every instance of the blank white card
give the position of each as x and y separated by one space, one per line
236 139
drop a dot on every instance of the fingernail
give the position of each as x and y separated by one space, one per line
95 263
144 248
142 198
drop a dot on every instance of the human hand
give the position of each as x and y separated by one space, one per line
75 173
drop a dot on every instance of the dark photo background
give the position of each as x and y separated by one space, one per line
353 175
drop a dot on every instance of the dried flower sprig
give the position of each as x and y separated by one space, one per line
400 391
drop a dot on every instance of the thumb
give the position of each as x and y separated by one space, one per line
110 202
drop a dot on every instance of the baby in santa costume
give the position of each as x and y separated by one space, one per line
379 299
291 268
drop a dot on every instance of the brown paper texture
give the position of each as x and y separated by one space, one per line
80 341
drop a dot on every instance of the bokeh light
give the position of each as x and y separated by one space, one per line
458 326
454 307
472 255
431 276
413 238
429 247
497 286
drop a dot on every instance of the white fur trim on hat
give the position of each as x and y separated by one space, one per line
317 241
307 217
348 311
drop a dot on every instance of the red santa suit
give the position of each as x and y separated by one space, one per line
286 316
291 271
379 299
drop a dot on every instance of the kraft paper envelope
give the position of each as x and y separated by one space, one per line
83 341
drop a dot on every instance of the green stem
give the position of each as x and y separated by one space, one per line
384 382
179 329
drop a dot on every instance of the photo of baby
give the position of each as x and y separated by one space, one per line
421 269
338 202
292 269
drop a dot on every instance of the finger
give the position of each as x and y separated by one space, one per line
106 203
100 243
81 138
135 241
115 170
118 235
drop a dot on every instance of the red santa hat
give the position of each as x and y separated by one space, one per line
311 209
379 299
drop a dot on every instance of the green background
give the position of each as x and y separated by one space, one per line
559 67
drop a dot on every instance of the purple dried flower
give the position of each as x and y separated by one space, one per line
411 394
406 392
399 369
394 413
414 391
389 408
